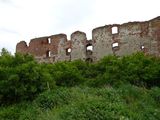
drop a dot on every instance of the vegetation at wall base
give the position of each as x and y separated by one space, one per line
114 88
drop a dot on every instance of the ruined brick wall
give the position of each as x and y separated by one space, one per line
129 38
114 39
46 49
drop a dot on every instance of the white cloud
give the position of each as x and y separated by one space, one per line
6 1
26 19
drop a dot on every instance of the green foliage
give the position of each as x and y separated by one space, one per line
10 113
29 112
155 94
53 99
83 103
18 112
97 104
114 88
5 52
137 69
21 78
66 74
142 70
93 109
105 104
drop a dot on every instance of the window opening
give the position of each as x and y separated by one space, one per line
68 51
49 40
89 49
48 54
142 47
114 30
115 45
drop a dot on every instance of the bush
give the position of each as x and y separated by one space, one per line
142 70
137 69
66 74
22 78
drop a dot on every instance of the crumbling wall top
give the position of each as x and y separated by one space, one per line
117 39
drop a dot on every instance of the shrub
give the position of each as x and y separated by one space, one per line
137 69
141 70
66 74
22 78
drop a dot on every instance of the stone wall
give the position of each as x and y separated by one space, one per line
114 39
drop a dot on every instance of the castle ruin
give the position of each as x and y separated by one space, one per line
114 39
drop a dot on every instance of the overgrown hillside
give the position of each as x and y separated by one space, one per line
113 88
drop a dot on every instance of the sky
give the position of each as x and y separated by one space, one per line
27 19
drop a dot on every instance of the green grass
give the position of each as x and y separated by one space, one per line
127 102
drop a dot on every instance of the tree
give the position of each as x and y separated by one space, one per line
5 52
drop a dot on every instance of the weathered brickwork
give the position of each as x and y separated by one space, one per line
114 39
